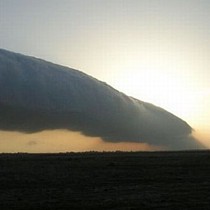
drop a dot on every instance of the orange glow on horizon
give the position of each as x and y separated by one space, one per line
63 141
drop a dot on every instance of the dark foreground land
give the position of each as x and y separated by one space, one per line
156 180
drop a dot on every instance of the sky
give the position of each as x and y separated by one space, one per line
154 50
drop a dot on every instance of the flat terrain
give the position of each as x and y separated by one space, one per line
135 180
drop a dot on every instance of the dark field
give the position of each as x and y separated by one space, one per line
156 180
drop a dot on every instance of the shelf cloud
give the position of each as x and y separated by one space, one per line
37 95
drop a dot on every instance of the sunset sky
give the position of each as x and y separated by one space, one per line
155 50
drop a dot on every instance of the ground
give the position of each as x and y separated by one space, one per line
119 180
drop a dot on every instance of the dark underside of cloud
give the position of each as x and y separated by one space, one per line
36 95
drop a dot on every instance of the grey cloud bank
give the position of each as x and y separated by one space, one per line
36 95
